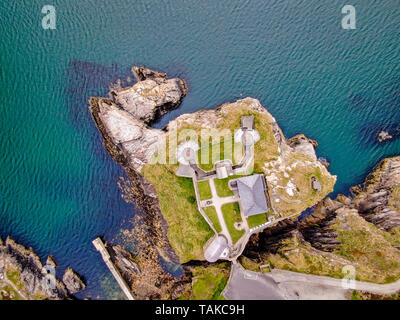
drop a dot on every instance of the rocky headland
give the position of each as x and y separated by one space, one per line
24 277
361 231
170 228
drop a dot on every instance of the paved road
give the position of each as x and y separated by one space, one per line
288 278
248 285
282 284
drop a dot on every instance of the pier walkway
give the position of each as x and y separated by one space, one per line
99 245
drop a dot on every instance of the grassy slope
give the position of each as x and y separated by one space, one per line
209 282
364 246
231 214
187 230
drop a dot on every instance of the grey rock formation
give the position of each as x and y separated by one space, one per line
73 282
31 271
375 199
152 96
304 145
125 117
137 141
384 136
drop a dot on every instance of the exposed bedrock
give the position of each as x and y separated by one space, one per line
151 97
73 281
36 277
304 145
377 200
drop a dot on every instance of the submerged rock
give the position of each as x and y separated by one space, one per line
384 136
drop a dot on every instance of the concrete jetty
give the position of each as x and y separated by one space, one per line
99 245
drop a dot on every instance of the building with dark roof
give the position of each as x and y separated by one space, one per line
251 191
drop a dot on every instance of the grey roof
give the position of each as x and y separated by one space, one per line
252 194
247 122
215 249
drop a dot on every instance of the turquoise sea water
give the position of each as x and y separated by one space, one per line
59 186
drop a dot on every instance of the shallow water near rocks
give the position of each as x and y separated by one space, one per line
59 185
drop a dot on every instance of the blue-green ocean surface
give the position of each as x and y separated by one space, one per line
58 185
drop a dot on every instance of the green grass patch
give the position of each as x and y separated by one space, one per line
231 212
187 229
212 214
204 190
259 219
221 185
226 149
209 282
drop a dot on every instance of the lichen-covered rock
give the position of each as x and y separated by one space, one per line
73 282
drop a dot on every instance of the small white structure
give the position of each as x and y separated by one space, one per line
223 169
217 249
187 152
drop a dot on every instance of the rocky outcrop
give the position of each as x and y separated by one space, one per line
304 145
151 97
384 136
378 199
124 261
124 119
72 281
39 281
